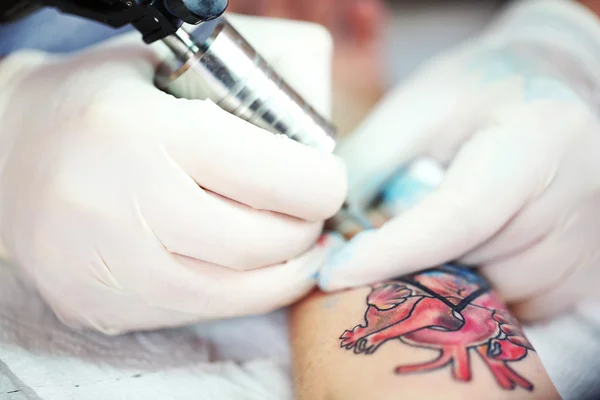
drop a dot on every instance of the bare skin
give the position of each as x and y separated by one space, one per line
439 334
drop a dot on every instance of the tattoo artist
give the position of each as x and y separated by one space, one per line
117 242
512 115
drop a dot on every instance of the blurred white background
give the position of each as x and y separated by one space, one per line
419 29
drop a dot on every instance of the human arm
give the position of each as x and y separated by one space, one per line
411 344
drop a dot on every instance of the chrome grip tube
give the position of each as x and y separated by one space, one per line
215 62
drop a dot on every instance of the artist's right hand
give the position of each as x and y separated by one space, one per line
131 210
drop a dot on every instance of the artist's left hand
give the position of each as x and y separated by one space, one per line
514 116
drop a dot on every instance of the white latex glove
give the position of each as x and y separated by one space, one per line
513 116
130 209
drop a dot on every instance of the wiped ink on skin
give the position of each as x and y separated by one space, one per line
450 309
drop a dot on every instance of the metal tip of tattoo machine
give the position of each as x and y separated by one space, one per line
349 222
213 61
357 215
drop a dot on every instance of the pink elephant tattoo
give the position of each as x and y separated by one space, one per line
450 309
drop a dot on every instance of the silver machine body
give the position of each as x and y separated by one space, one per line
213 61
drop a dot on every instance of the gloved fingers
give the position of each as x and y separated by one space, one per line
166 281
578 283
405 125
528 228
535 270
108 85
563 185
301 52
237 160
193 222
90 297
113 313
244 238
480 193
232 294
561 258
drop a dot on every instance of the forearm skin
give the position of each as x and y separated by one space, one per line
440 334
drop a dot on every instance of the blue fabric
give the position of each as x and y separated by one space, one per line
52 31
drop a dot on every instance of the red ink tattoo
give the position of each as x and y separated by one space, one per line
450 309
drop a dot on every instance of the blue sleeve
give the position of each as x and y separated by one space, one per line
52 31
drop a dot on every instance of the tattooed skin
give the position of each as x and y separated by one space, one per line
450 309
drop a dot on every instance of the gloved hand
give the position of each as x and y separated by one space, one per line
514 118
130 209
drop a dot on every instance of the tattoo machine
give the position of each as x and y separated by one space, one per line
213 61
